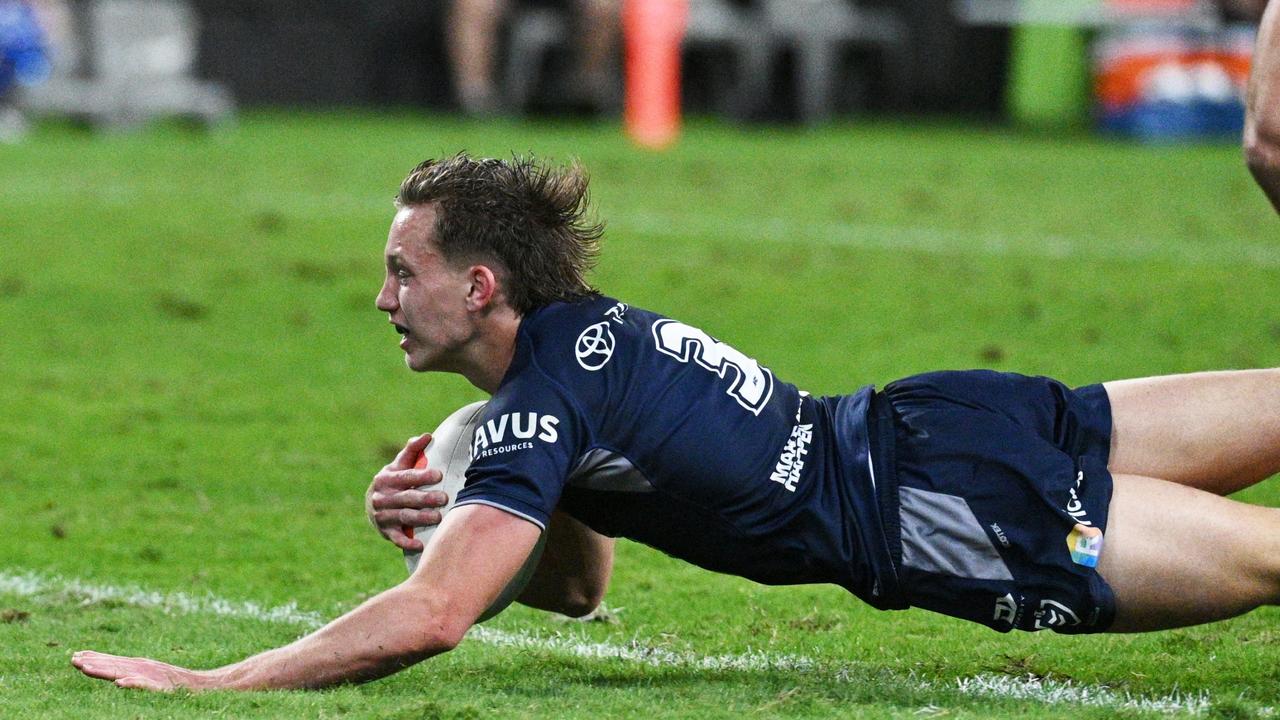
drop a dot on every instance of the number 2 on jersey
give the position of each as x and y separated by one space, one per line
752 385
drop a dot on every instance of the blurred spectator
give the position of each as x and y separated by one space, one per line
24 60
474 27
1242 10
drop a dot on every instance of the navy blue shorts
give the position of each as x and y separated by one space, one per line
1003 494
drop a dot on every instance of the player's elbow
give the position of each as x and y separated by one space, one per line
434 627
448 638
436 635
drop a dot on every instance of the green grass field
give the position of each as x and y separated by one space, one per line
195 389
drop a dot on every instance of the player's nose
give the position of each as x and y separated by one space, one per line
386 300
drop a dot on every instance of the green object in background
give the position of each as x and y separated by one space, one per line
1049 76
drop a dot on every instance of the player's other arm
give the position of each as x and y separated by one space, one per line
476 552
396 499
1262 116
573 574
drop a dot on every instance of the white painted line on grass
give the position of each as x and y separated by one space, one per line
1030 688
31 584
1065 692
53 589
640 653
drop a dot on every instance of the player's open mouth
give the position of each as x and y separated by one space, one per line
404 334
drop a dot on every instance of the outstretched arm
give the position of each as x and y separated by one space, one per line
1262 116
476 552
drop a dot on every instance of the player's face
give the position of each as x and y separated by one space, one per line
423 296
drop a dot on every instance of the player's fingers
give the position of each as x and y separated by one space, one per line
390 480
425 476
388 519
101 665
136 682
412 449
414 499
82 655
401 540
405 458
94 669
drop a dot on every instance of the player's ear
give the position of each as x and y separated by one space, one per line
484 287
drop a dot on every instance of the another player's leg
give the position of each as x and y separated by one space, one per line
473 50
1176 556
1216 431
599 25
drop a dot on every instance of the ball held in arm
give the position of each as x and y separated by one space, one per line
450 452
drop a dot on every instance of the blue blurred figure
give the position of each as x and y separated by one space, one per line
24 60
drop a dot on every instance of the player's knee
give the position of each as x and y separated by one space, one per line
580 604
1269 583
577 610
1262 571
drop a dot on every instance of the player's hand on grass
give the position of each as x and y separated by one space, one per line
139 673
394 503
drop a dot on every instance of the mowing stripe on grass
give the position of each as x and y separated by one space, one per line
909 238
54 589
939 241
777 230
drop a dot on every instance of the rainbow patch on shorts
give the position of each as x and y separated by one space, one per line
1085 543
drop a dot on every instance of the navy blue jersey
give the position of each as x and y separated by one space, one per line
647 428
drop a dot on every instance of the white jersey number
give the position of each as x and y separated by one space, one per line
752 385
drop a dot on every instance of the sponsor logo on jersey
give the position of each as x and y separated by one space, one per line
1006 610
503 449
791 461
995 528
1053 614
1085 544
616 312
594 347
511 432
1075 508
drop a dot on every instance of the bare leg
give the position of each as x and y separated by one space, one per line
473 49
1178 556
1216 431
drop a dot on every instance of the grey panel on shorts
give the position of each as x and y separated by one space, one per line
941 535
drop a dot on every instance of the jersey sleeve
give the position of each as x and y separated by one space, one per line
530 436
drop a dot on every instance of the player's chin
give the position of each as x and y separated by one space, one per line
418 361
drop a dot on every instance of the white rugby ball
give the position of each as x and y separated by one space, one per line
450 452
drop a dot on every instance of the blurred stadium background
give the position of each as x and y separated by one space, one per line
119 62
